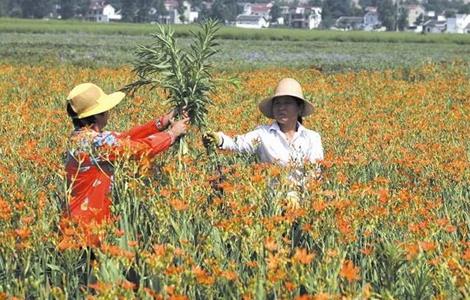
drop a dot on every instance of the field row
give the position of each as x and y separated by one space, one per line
54 26
95 50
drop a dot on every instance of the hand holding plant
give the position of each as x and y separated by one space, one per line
179 128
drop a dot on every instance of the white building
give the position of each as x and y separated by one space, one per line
458 24
371 20
251 21
314 19
174 17
101 12
257 9
414 13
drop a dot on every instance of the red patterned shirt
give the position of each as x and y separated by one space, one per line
90 170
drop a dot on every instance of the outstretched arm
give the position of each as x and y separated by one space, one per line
112 145
152 127
246 143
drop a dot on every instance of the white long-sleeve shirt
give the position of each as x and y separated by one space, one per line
271 145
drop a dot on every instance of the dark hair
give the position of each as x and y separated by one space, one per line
80 123
301 105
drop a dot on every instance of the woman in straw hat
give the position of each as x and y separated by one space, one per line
89 163
285 141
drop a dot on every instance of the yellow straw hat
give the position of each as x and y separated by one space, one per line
87 99
285 87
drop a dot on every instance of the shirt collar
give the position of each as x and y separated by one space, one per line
274 126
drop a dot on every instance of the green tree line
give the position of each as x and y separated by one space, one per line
391 13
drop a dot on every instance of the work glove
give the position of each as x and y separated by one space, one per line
210 139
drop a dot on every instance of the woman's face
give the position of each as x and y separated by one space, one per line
285 109
102 119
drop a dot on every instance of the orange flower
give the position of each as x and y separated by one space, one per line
100 286
466 255
321 296
23 233
319 205
302 256
178 205
428 246
349 271
128 285
67 244
412 251
367 250
202 276
159 250
229 275
270 244
289 286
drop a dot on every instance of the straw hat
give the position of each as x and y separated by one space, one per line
286 87
87 99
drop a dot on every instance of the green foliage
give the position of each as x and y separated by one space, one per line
402 22
275 12
67 9
35 8
387 14
184 74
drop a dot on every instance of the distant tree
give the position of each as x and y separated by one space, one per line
128 10
161 9
67 9
366 3
218 10
333 9
402 19
82 7
180 10
275 12
205 13
439 6
315 3
231 10
465 9
143 11
387 14
224 10
35 8
3 8
13 8
450 13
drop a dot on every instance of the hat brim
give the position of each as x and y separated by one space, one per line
266 106
105 103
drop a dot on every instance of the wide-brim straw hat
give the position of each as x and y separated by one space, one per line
286 87
87 99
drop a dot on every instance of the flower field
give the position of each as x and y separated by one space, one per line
389 219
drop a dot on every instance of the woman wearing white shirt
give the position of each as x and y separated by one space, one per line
285 142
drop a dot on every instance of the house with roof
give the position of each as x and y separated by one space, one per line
188 15
349 23
251 21
99 11
257 9
255 15
435 25
371 19
308 17
459 24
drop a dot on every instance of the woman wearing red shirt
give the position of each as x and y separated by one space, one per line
92 151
